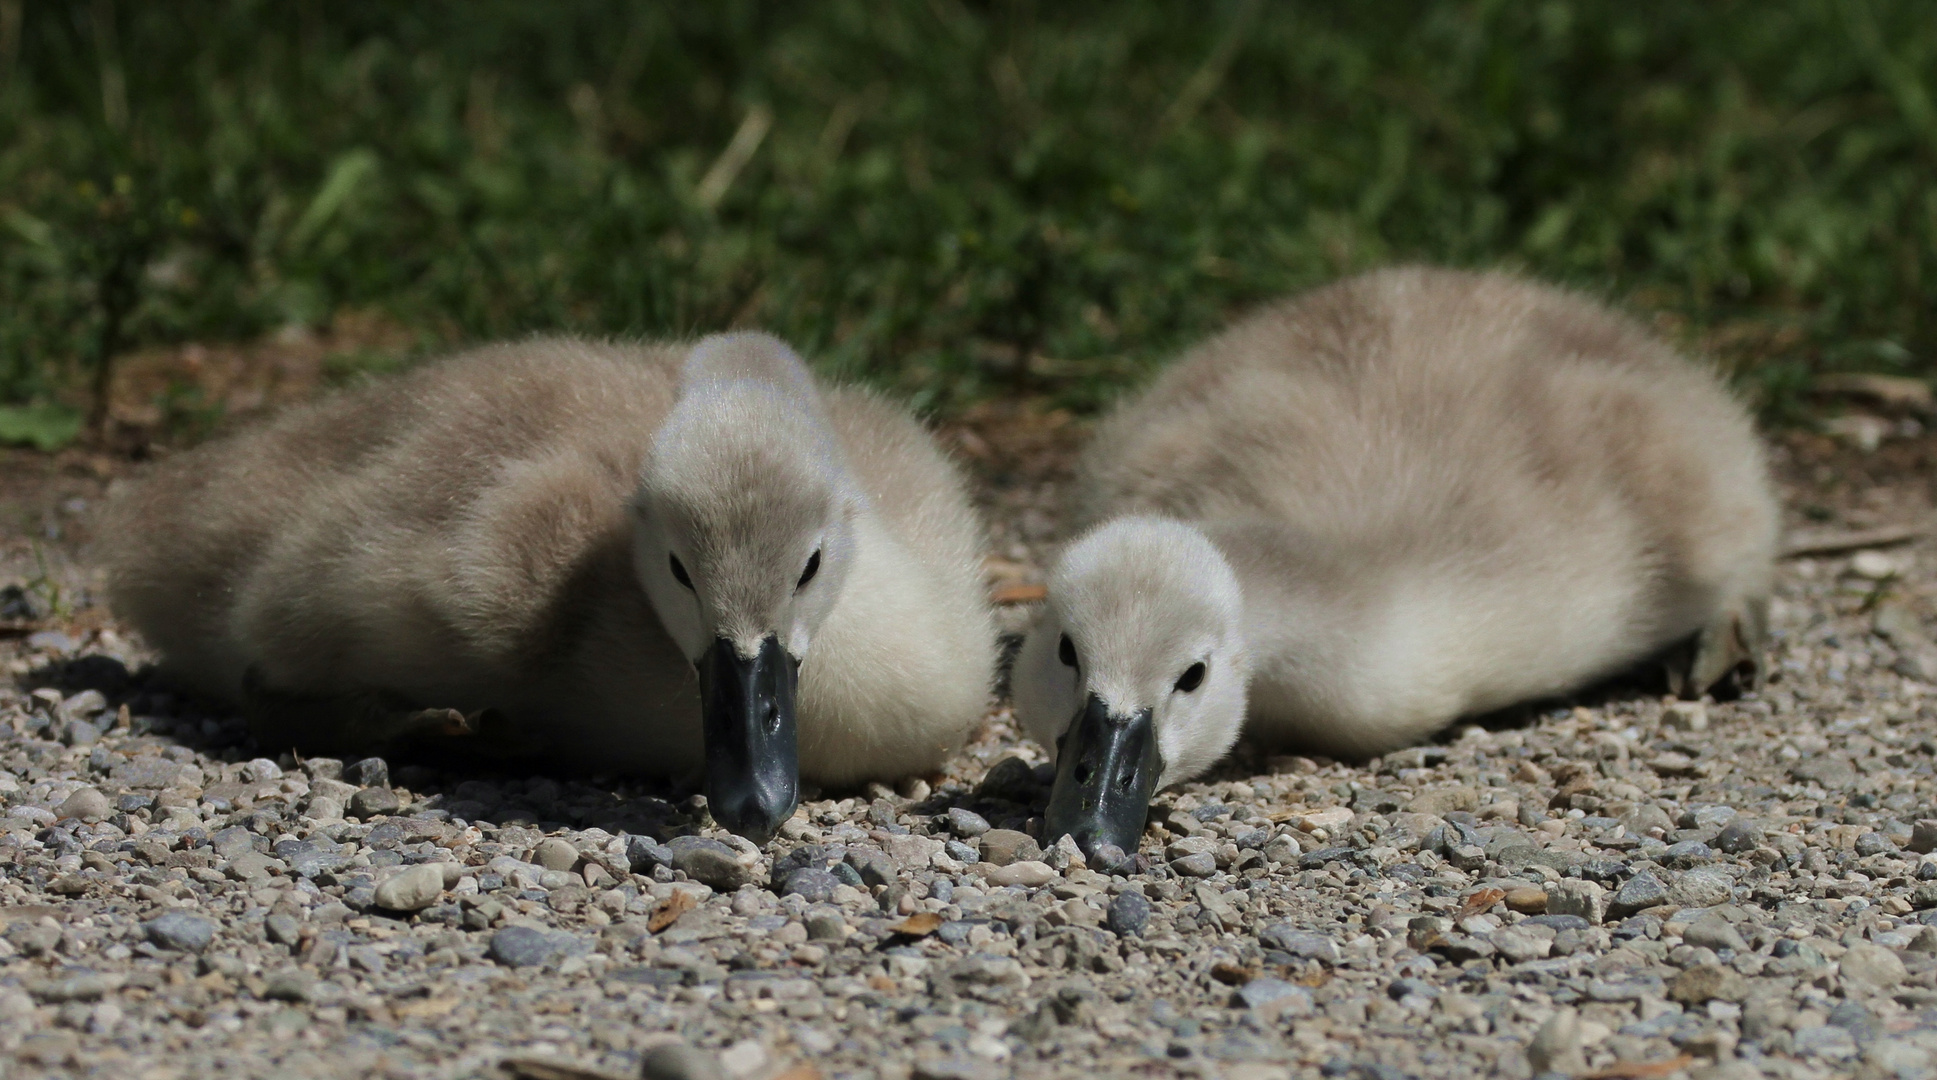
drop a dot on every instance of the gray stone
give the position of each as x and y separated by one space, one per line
991 978
413 888
1825 1041
1274 997
1873 843
1638 893
1687 855
1005 846
643 853
1128 913
825 924
1556 1046
812 884
1626 988
966 823
232 841
556 853
680 1060
1300 943
1871 965
374 802
1701 889
1715 932
85 705
180 931
283 929
92 986
1578 897
1201 865
370 772
1738 836
290 984
1923 837
1519 946
1643 820
709 862
525 946
1831 772
252 866
80 733
308 858
87 804
874 866
1707 982
148 772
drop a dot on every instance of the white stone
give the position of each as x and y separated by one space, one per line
413 888
1028 872
1874 566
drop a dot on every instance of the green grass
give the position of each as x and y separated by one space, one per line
957 199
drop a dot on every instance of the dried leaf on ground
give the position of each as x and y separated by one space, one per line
668 913
1480 902
1232 974
920 924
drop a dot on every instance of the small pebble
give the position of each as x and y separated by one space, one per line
374 802
555 853
709 862
966 823
180 931
369 772
1029 872
87 804
1128 913
412 889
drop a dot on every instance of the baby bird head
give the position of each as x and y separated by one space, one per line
1135 672
744 532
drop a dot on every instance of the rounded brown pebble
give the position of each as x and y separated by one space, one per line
1527 901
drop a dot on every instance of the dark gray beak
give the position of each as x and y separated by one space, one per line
752 756
1106 770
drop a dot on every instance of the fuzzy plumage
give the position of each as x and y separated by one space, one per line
1440 493
490 533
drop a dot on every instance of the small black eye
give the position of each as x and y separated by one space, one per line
813 567
1192 678
1066 651
679 572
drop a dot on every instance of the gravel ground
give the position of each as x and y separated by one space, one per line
1622 887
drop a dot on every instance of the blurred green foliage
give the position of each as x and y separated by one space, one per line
956 198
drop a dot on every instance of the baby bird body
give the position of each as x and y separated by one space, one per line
632 557
1435 494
